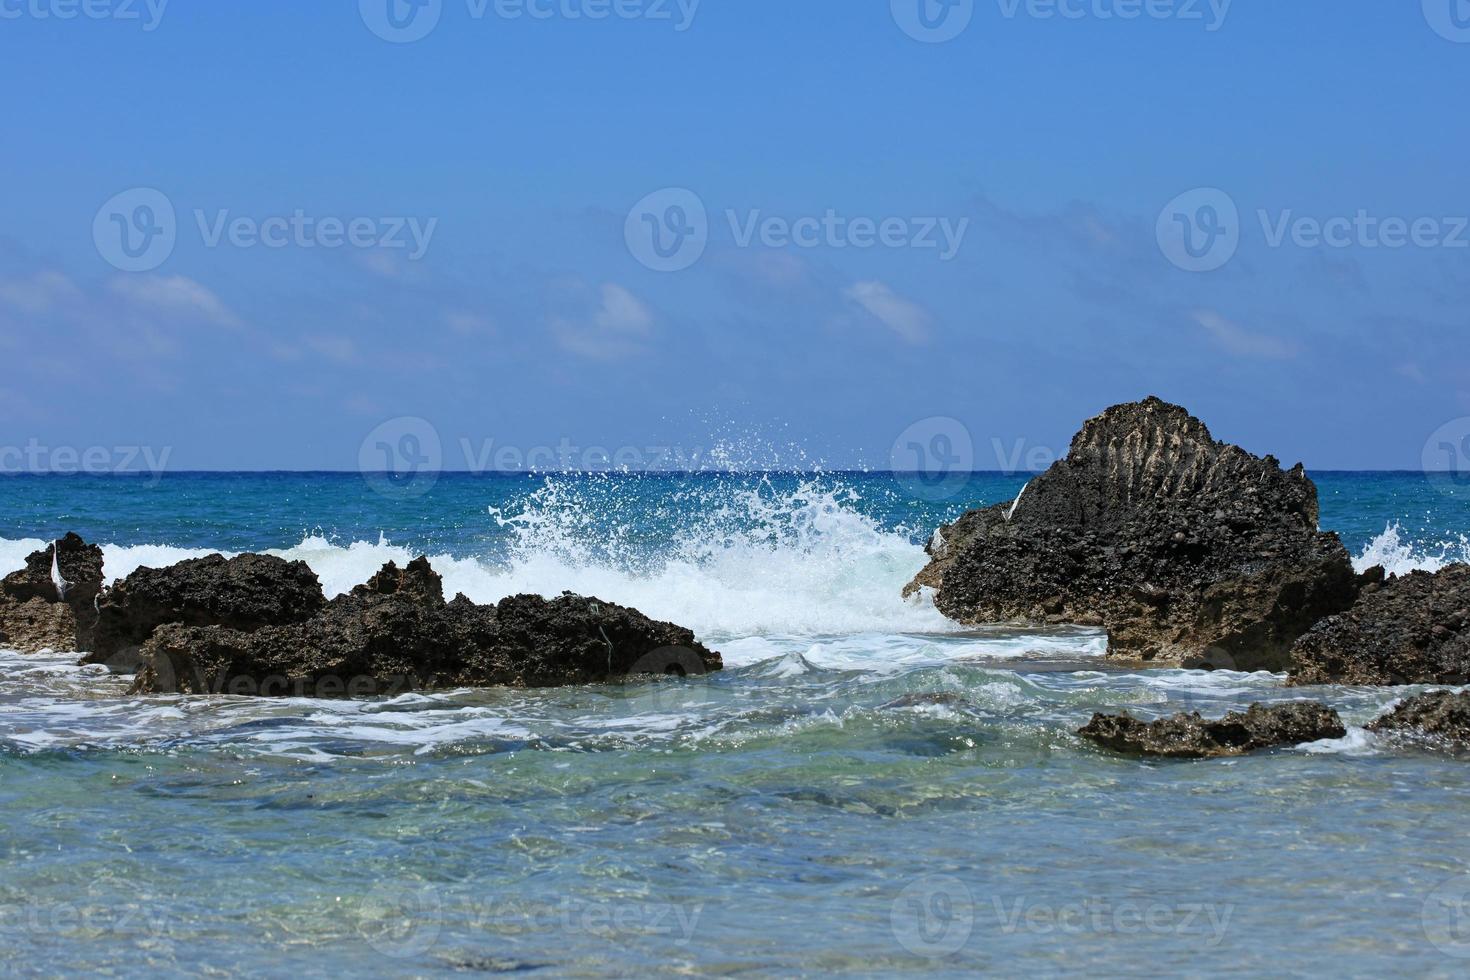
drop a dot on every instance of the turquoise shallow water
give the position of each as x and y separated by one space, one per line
801 812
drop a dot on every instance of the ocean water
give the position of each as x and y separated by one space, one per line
867 788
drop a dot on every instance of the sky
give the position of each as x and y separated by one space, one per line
285 235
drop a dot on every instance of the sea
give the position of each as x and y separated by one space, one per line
866 789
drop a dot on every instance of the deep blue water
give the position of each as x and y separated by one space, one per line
786 816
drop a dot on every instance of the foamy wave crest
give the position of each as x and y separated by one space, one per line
1399 556
739 559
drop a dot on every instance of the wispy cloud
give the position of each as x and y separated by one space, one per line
907 319
174 296
40 292
611 330
1235 339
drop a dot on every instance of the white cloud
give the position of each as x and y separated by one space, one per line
468 324
1237 340
39 293
622 312
612 330
907 319
339 349
177 296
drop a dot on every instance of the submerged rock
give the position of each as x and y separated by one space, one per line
244 593
49 604
1413 629
1189 736
1439 716
396 633
1188 551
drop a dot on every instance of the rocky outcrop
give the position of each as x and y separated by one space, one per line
1188 736
49 604
1441 717
244 594
1412 629
396 633
1186 550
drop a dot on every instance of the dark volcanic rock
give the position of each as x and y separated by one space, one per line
67 575
35 625
417 579
244 593
1187 550
1413 629
1188 736
1439 716
396 633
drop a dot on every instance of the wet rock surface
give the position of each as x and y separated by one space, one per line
1441 717
49 604
1412 629
1189 736
1188 551
396 633
244 593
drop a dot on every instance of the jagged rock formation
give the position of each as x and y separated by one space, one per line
396 633
1186 550
1413 629
243 593
49 604
1439 717
1188 736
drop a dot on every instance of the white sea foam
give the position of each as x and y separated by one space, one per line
1399 556
751 562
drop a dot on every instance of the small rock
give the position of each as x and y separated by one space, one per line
1189 736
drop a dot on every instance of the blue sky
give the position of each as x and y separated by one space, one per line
827 148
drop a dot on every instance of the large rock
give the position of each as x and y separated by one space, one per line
1188 736
244 593
396 633
1186 550
1413 629
1441 717
50 603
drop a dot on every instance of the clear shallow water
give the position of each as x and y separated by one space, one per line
865 789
